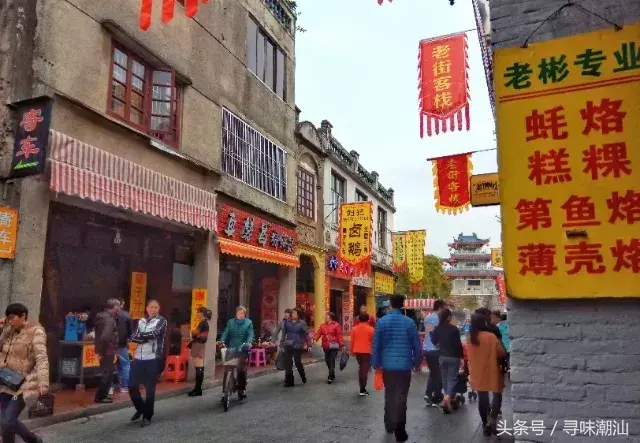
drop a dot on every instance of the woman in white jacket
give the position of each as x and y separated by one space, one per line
149 337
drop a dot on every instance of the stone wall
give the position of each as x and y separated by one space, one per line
571 360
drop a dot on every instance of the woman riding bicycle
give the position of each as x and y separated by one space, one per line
238 336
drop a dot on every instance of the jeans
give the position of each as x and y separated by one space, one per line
434 384
449 367
483 405
292 356
396 390
124 366
11 426
364 364
106 376
330 359
143 372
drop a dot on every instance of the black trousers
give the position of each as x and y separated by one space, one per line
292 356
143 372
330 356
434 383
396 391
364 364
483 405
11 426
107 363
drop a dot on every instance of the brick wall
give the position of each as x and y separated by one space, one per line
571 360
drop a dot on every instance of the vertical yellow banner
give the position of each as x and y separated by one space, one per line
138 295
415 258
399 242
198 299
496 257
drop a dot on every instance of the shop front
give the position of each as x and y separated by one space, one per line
257 267
363 294
383 288
116 229
310 284
339 292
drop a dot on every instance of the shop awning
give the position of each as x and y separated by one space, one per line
419 303
79 169
248 251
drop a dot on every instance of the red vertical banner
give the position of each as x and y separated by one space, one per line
168 7
502 290
451 183
145 14
269 308
443 84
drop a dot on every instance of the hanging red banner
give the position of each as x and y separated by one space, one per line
380 1
451 183
443 85
168 6
502 290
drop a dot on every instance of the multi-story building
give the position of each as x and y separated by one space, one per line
170 165
473 280
346 180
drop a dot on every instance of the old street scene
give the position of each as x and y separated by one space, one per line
245 221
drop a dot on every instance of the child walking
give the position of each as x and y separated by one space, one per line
361 344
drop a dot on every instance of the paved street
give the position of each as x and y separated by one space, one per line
312 412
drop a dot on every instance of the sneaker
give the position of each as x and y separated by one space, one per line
103 400
329 381
136 416
363 393
242 395
145 422
428 400
110 391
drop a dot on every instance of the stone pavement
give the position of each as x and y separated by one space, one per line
315 412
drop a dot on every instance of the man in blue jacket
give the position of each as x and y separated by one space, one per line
396 351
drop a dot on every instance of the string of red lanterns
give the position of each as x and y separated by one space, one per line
168 8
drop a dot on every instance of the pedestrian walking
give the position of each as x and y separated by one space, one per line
433 392
279 330
484 352
149 337
371 319
332 341
361 344
489 326
125 330
23 353
503 326
199 336
238 335
396 351
296 339
106 344
447 337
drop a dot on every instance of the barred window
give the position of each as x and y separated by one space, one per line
337 196
252 158
306 193
382 229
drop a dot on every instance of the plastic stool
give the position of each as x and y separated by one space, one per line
258 357
175 369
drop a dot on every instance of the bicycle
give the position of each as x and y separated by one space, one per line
231 360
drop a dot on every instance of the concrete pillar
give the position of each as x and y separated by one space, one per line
319 279
244 284
206 276
287 290
371 302
28 265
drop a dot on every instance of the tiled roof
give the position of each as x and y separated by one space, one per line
473 238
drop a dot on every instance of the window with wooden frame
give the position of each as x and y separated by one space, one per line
306 193
361 196
265 59
145 98
382 229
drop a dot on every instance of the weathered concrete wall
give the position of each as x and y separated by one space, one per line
210 50
571 360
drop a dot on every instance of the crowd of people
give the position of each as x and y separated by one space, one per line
391 346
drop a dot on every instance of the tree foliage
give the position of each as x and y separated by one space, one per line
434 282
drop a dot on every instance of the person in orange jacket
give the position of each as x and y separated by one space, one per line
361 345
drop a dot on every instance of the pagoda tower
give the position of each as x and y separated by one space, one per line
473 280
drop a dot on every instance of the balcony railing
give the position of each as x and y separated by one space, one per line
283 11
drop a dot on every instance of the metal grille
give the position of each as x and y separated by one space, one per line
252 158
337 197
306 191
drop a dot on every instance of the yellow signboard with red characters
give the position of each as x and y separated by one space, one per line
198 300
138 295
8 232
90 358
568 125
354 236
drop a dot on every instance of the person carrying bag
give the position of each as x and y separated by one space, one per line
332 341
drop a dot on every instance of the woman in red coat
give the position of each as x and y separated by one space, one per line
331 333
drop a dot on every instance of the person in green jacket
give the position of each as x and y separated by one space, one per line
238 336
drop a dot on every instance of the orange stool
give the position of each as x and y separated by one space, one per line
258 357
175 369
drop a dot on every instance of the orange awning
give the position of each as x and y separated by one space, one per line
248 251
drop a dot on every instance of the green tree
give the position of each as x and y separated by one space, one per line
434 282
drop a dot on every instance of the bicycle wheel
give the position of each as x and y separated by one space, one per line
228 389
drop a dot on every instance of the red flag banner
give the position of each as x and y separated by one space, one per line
168 6
443 84
451 183
502 290
380 1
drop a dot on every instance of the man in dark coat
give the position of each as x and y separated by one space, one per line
106 343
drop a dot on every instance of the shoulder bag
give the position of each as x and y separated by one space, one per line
8 377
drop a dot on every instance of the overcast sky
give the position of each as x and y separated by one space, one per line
356 66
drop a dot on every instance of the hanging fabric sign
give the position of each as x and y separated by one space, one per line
168 6
443 89
451 183
502 290
415 258
399 242
354 237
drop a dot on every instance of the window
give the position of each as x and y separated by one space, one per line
337 196
265 59
306 193
382 228
361 196
145 98
252 158
473 284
